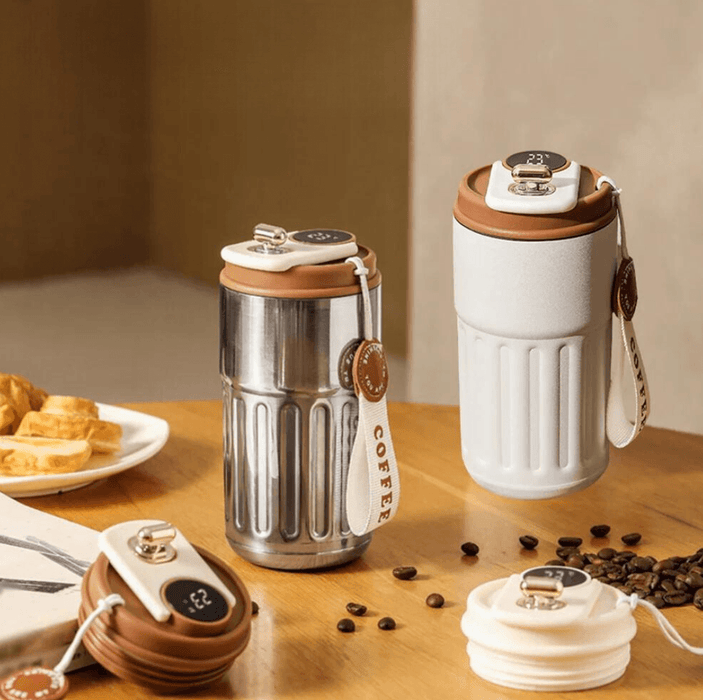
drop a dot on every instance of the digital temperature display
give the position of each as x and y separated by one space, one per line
196 600
567 575
553 161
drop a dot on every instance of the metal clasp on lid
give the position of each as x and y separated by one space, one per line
152 543
531 180
270 237
541 593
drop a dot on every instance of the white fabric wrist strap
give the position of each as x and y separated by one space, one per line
373 485
620 430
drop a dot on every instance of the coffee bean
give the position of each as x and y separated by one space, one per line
668 573
698 598
386 623
405 573
435 600
570 541
680 583
667 585
607 553
631 538
356 609
694 580
566 552
594 570
576 561
646 580
254 607
680 598
470 549
661 565
627 554
346 625
656 601
600 530
640 564
554 562
616 573
528 541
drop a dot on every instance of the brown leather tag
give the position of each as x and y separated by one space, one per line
34 683
624 299
370 370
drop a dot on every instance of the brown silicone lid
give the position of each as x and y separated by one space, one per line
173 655
333 279
594 210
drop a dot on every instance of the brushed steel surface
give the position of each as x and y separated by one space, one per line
288 426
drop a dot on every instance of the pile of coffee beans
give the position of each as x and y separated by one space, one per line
674 581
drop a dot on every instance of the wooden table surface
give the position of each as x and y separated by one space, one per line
653 486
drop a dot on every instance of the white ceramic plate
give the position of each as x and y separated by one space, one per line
142 437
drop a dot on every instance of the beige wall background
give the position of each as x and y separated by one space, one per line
615 85
73 139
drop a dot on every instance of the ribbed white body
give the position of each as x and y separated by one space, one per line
534 324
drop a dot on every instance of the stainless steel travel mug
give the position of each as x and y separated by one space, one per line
289 331
535 256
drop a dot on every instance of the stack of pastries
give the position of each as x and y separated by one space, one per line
43 434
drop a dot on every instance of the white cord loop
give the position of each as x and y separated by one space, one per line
362 273
104 605
665 626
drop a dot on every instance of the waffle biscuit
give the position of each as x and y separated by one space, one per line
14 403
70 405
103 436
35 394
24 456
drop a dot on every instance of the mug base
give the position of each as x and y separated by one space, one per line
534 492
300 561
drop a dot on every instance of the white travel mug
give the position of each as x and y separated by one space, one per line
539 256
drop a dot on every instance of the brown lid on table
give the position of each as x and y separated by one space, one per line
332 279
594 210
176 654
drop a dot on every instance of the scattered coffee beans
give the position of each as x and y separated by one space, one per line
254 607
346 625
600 530
435 600
470 549
405 573
529 542
385 623
356 609
632 538
570 541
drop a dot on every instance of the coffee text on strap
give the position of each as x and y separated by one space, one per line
373 486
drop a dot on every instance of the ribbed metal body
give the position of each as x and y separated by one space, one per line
289 426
